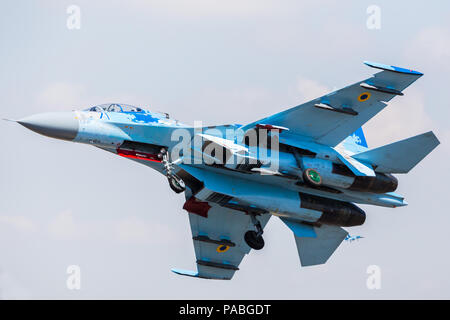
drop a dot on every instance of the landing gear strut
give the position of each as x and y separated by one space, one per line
175 182
254 239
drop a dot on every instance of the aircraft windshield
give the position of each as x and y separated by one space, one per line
115 107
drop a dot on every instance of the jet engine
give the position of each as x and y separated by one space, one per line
318 172
334 212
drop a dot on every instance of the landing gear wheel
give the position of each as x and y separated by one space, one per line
162 153
253 240
312 177
176 184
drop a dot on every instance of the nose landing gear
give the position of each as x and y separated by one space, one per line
175 182
254 239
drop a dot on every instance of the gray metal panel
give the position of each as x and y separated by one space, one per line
314 251
299 228
400 156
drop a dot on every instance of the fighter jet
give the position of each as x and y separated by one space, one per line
309 165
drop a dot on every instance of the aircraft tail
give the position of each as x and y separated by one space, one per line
400 156
315 244
360 138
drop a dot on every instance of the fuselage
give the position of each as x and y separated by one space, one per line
140 135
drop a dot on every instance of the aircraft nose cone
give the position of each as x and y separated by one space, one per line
59 125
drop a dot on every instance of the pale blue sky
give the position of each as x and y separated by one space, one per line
219 62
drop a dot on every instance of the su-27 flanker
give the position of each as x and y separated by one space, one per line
308 165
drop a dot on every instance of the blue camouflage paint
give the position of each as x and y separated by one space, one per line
359 137
392 68
142 117
125 130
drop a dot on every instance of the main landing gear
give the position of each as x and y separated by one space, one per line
175 182
254 239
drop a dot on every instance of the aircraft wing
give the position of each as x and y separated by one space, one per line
218 235
333 117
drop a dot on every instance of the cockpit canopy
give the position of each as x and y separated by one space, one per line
122 108
115 107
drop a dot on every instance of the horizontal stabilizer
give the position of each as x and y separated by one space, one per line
357 167
401 156
314 251
300 229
